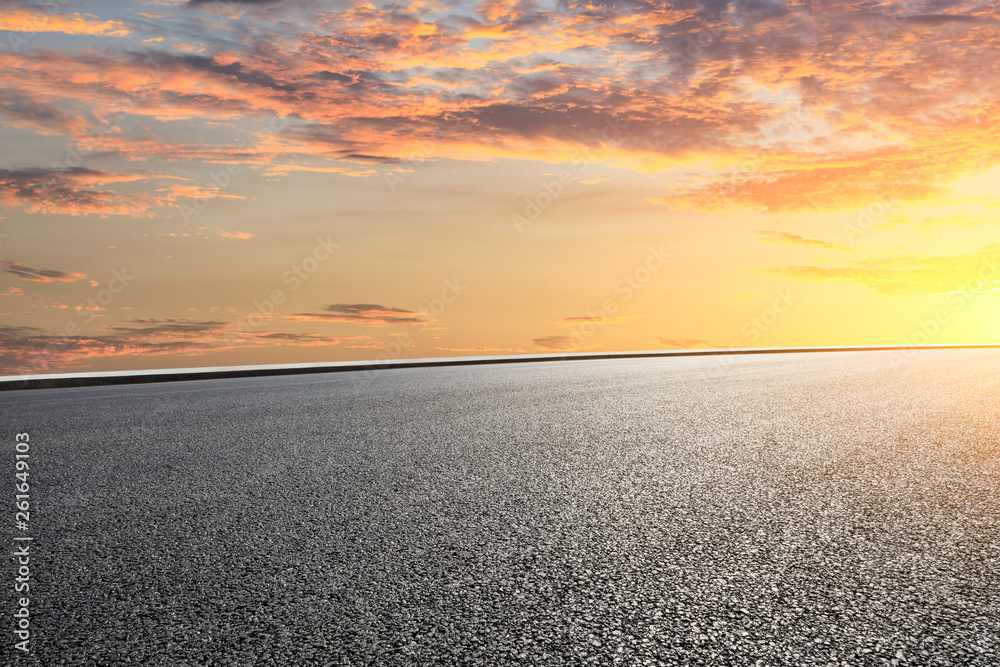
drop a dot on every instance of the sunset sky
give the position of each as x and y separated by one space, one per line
198 183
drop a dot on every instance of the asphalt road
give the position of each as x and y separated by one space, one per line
795 509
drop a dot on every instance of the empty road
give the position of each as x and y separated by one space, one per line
781 509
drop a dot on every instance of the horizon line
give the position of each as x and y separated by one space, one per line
108 378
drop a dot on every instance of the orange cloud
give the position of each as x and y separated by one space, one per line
242 236
553 342
39 275
368 314
911 275
23 21
199 192
829 184
26 350
825 129
788 238
684 343
71 191
582 319
744 103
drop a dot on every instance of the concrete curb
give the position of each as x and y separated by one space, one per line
54 381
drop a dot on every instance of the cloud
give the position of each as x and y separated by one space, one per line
236 2
583 319
235 70
553 342
788 238
196 192
23 21
71 191
241 236
39 275
369 314
301 338
684 343
82 191
168 327
684 85
942 19
19 108
911 275
27 349
362 343
831 184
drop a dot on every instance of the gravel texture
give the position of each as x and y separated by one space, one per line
795 509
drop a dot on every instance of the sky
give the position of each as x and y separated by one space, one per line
210 183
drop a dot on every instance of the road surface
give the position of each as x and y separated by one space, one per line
828 508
